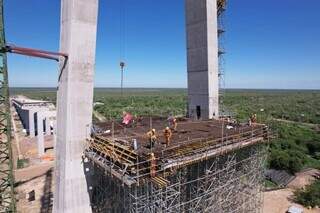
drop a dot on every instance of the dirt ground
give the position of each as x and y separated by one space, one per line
303 178
279 201
37 180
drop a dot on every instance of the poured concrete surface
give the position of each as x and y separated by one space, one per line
75 101
202 56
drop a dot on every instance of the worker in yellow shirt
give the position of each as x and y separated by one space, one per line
167 135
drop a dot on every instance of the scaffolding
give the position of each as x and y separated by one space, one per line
223 174
221 7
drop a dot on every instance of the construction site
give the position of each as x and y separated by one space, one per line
205 161
206 168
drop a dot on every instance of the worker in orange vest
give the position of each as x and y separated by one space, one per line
153 165
167 135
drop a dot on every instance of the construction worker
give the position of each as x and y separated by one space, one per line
254 118
167 135
175 124
153 165
152 137
127 118
172 121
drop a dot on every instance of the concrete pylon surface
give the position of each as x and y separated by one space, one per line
31 123
40 137
202 58
74 104
48 129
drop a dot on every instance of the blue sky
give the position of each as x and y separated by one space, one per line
269 43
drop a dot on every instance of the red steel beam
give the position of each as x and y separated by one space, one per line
24 49
36 53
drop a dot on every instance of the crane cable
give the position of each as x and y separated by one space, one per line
122 40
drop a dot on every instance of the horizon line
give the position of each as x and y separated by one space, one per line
126 88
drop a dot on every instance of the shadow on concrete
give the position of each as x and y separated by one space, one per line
19 183
46 199
89 175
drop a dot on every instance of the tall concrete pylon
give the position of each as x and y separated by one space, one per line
202 58
74 104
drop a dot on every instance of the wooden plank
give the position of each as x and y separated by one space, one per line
110 153
120 149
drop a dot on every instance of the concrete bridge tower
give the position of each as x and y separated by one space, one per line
74 103
202 57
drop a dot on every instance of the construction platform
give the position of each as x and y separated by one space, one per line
112 149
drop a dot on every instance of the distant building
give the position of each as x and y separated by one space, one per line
37 117
31 112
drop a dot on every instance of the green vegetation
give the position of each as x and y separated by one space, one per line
295 147
156 102
293 116
269 184
22 163
293 105
310 196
